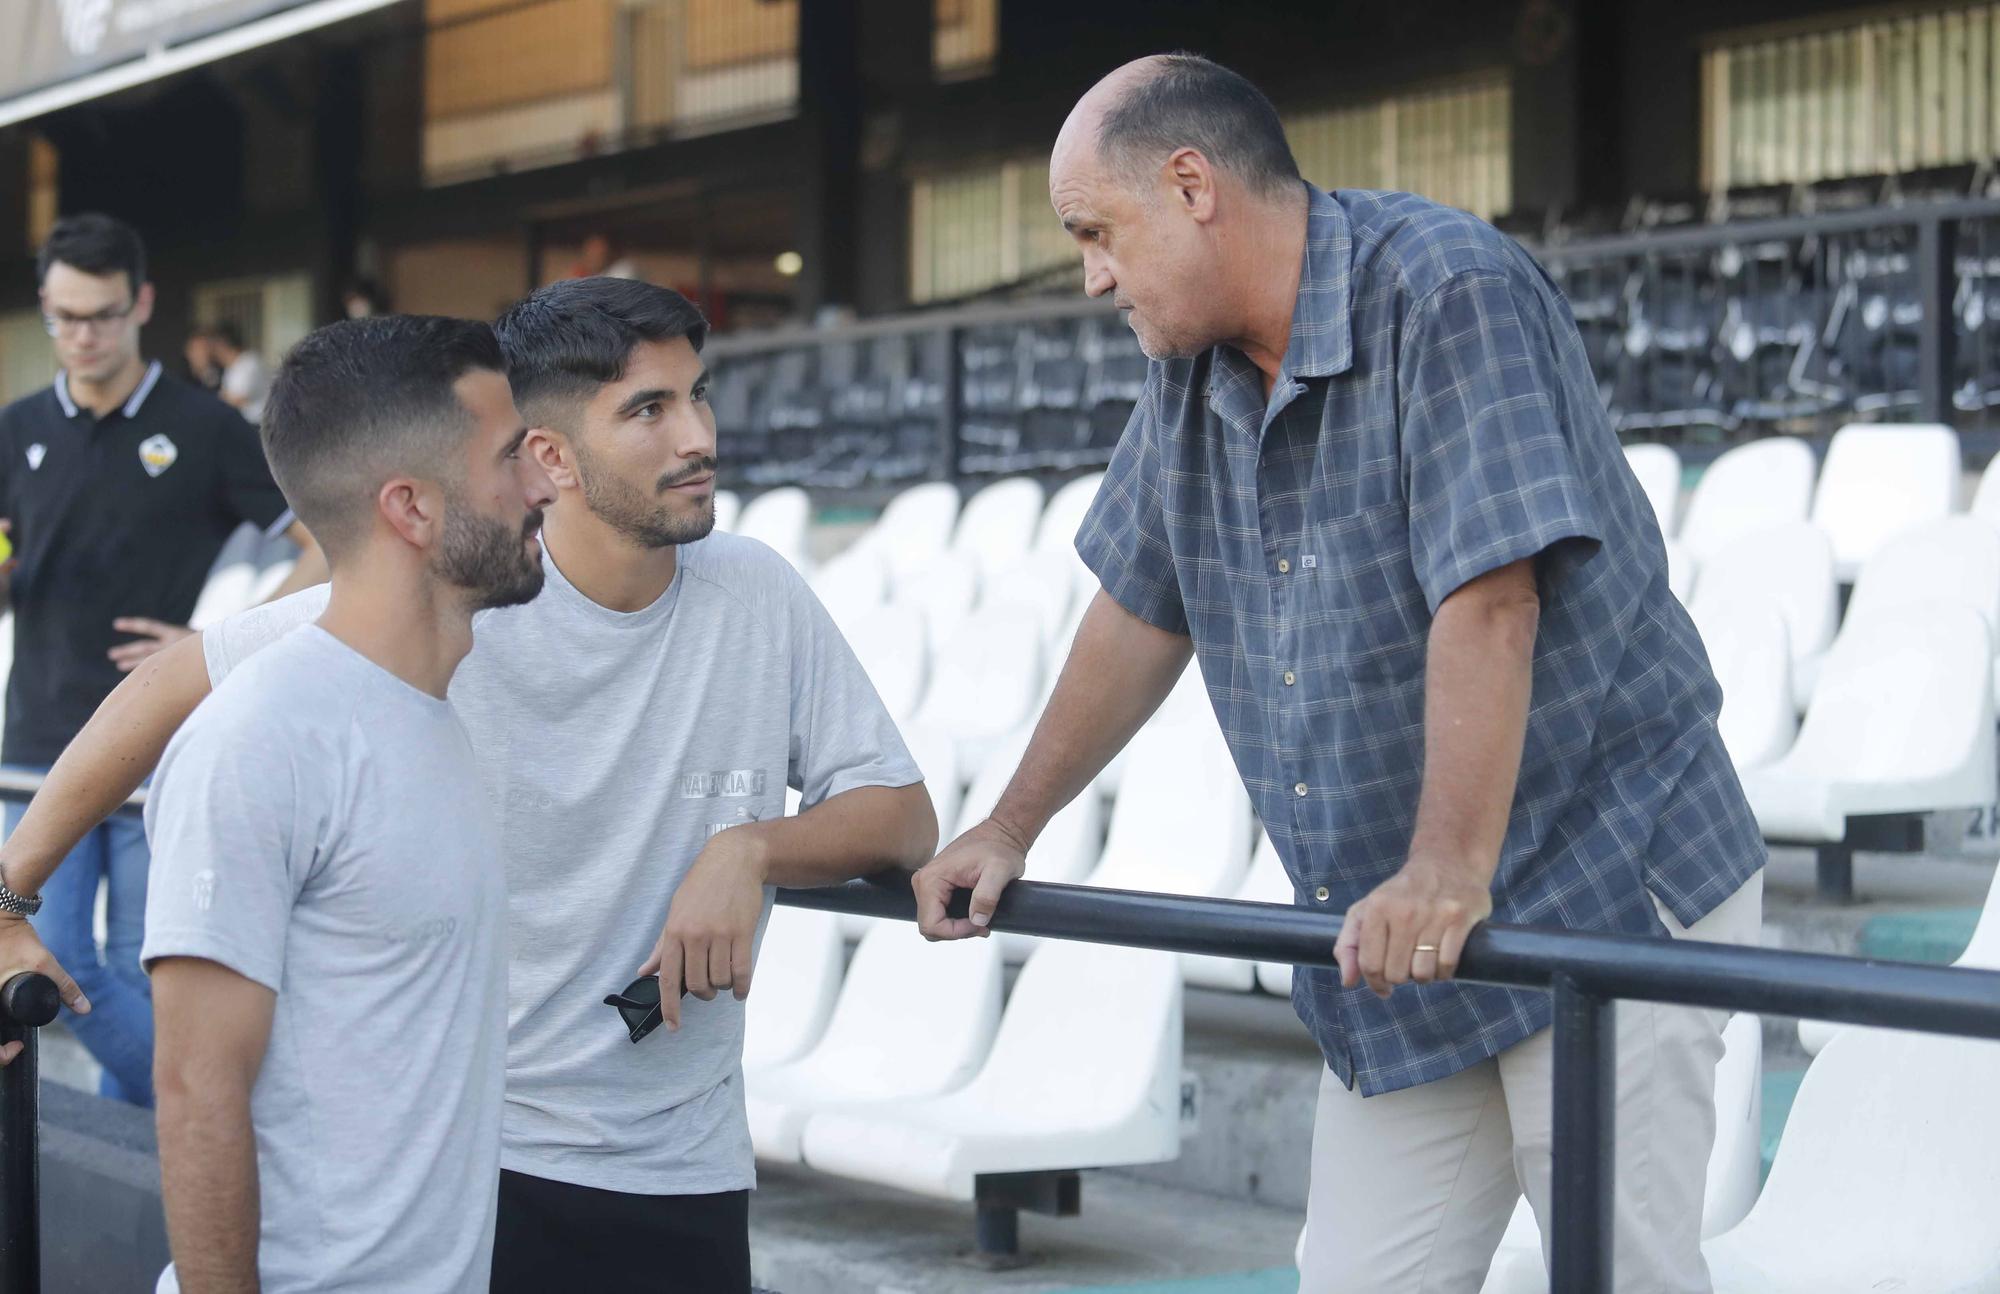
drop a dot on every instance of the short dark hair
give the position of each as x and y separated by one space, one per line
359 401
95 244
227 333
1186 101
569 339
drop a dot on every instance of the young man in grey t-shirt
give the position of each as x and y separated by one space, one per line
327 925
636 728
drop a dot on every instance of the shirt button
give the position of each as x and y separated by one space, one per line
1300 790
1321 894
1284 566
1290 678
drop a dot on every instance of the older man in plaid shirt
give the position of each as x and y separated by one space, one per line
1371 486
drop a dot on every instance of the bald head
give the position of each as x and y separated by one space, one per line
1133 120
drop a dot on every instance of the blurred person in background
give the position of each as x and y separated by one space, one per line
246 379
118 485
602 258
1371 485
199 352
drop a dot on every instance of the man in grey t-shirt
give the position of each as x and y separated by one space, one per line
636 728
327 925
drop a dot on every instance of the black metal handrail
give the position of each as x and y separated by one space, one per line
27 1002
1586 974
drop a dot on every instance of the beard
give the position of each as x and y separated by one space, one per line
1157 343
646 519
489 559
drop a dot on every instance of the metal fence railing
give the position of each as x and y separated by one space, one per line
1585 973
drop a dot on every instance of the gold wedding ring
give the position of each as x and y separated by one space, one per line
1426 948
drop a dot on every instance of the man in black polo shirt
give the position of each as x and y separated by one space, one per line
118 485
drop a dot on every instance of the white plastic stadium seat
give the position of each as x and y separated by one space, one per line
1680 570
1040 585
1881 480
1789 565
1901 722
1659 471
1182 821
1065 513
984 681
1986 499
1982 953
793 989
1749 651
852 587
728 507
1952 560
1265 882
1272 884
1733 1164
1085 1073
1885 1178
914 1019
1752 487
779 518
1187 704
891 643
1955 559
936 755
269 579
227 591
997 527
1755 487
946 587
915 527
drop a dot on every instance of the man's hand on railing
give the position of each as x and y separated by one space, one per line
21 950
1413 925
984 860
711 929
154 636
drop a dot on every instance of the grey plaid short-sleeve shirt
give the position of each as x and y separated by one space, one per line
1435 419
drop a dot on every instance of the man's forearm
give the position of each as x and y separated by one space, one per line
1119 670
851 834
1478 674
106 762
208 1180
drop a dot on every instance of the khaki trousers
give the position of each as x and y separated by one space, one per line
1411 1190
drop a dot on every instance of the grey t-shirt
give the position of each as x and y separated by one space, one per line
318 826
613 745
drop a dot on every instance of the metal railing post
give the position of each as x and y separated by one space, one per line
1937 281
1585 1099
27 1002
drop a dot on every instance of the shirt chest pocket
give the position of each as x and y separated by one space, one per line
1360 595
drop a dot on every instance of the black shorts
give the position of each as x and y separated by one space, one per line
555 1238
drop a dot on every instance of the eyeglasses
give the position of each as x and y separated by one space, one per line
638 1006
60 324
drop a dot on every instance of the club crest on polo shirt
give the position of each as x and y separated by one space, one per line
36 453
157 454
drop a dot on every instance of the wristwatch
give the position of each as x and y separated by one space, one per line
12 902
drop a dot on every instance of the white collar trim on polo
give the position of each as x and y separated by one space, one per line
70 407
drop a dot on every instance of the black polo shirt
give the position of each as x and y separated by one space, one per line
115 516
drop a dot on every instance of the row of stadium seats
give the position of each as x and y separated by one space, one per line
1898 694
1884 1178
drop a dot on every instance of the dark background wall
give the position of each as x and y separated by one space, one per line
296 156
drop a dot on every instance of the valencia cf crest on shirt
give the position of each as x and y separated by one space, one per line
157 454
